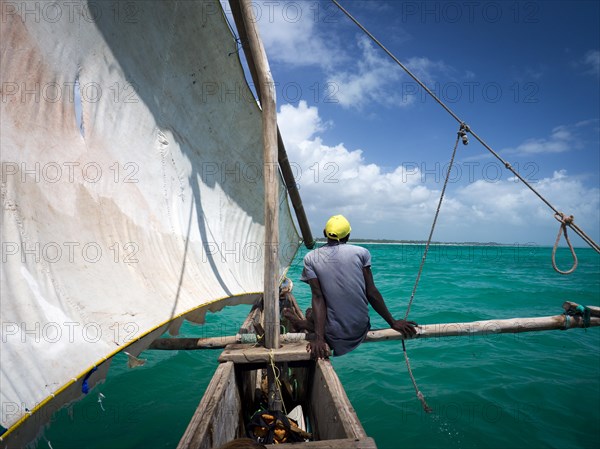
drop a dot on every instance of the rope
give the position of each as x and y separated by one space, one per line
248 338
412 378
238 41
576 310
460 135
572 225
564 222
276 374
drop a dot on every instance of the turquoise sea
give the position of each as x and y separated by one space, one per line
533 390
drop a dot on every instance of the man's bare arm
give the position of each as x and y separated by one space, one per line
406 328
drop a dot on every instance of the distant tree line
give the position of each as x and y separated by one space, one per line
417 242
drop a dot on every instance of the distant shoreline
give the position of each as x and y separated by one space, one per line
424 242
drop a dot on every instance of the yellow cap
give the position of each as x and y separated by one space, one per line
337 227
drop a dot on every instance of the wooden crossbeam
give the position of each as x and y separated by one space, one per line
473 328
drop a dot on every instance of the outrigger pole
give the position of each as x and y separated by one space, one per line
574 317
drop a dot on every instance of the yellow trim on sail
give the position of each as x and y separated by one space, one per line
112 354
51 396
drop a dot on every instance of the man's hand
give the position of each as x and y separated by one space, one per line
318 349
406 328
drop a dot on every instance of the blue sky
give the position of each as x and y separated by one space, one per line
367 142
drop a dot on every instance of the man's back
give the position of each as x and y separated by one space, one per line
339 269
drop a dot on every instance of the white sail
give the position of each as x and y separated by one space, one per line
147 209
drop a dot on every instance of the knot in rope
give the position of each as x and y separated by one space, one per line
462 133
564 219
564 222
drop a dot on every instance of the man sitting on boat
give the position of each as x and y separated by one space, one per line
342 287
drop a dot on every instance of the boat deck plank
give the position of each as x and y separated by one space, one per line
243 353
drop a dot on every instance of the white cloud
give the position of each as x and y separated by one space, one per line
509 205
590 122
289 34
561 140
374 78
334 177
370 79
300 123
425 69
396 204
591 61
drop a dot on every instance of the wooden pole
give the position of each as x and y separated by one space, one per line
271 185
284 163
292 188
269 118
176 344
476 328
468 329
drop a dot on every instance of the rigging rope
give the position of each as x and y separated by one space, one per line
412 378
571 224
460 135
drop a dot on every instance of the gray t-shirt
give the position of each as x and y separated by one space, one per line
339 269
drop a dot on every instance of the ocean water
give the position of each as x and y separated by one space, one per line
530 390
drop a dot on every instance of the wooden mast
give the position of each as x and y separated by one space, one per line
284 163
271 185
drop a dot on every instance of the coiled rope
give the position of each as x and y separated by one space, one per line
570 223
564 222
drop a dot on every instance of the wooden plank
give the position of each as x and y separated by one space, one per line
248 354
247 386
346 443
332 414
216 420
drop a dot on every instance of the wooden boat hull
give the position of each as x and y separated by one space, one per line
230 399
